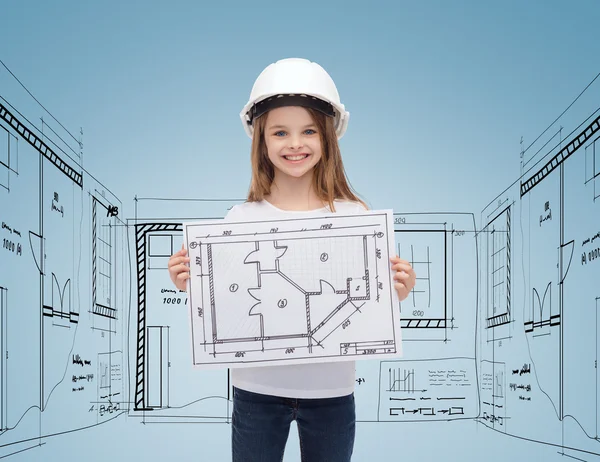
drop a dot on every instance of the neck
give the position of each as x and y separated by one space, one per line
289 193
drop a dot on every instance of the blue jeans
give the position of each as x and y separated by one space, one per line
261 425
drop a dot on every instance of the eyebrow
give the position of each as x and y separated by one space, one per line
272 127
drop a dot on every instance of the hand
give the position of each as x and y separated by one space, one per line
405 277
178 268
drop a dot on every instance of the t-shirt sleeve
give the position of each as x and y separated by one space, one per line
360 208
232 214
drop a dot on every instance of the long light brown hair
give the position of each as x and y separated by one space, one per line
329 177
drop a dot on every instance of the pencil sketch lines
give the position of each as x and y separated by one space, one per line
40 146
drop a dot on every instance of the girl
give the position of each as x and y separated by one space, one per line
295 119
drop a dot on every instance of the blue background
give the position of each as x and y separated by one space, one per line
450 102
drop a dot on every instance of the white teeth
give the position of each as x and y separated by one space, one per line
296 157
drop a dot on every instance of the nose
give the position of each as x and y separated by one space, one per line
295 141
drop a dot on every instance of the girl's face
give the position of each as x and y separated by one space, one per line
293 143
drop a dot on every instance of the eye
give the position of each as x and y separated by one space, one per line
277 133
312 132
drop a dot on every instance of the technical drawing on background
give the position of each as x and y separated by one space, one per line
597 406
104 237
493 394
46 269
428 390
540 301
152 350
292 291
3 342
165 386
446 286
592 167
497 248
9 157
60 307
110 383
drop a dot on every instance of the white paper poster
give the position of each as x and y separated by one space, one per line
292 290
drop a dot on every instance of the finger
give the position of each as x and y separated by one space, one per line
174 261
176 255
402 277
183 276
180 269
397 259
401 288
402 262
405 279
402 266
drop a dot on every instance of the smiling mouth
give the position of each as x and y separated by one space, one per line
296 158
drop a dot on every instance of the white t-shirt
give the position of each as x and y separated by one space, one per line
315 380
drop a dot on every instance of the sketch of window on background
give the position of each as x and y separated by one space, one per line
9 159
160 249
592 166
498 264
426 305
597 368
103 227
3 355
442 248
157 367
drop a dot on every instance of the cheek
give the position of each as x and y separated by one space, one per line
271 149
316 149
273 146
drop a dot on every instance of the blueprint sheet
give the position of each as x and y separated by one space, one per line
293 290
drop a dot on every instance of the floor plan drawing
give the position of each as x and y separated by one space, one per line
292 290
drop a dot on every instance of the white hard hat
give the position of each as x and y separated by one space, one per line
297 82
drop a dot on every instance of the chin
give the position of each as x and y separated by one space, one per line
297 174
